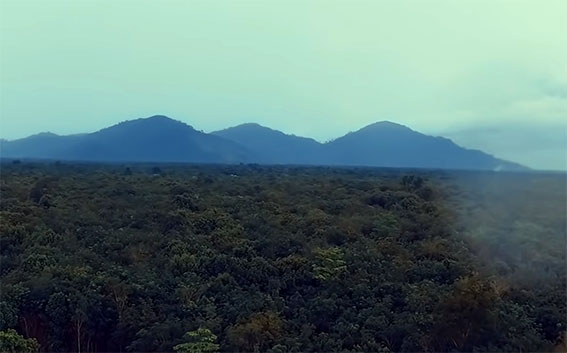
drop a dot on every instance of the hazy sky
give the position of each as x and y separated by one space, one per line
489 74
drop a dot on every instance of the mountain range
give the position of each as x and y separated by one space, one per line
161 139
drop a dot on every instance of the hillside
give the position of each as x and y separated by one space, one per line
389 144
273 146
154 139
161 139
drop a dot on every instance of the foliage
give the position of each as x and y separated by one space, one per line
12 342
329 263
274 259
201 340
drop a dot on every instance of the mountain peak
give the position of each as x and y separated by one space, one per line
380 128
386 124
152 122
155 119
43 135
272 146
158 117
247 129
249 126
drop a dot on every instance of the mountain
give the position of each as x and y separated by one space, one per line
273 146
45 145
161 139
389 144
153 139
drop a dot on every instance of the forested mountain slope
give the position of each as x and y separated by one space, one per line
154 139
274 147
249 258
389 144
161 139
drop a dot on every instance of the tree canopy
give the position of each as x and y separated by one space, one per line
271 259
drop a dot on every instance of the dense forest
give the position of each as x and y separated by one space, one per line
197 258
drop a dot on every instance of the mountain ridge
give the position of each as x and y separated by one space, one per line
154 139
161 139
272 146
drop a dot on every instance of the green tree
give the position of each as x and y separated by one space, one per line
11 341
329 263
201 340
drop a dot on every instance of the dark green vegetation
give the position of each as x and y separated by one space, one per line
278 259
161 139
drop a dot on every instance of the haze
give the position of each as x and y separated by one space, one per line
489 74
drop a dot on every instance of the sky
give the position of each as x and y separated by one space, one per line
490 74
